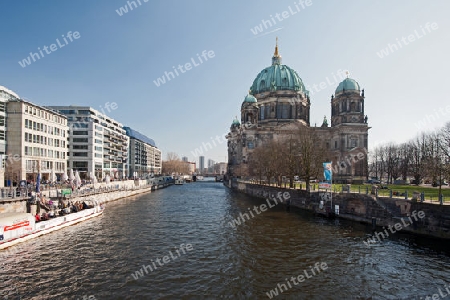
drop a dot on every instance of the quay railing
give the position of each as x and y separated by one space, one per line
391 191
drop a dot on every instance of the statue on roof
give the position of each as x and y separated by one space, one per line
325 122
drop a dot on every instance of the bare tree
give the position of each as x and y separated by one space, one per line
173 164
312 154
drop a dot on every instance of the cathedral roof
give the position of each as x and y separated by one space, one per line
277 77
347 84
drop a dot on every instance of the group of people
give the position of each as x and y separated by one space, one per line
53 208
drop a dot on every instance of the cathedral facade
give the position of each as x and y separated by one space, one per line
278 102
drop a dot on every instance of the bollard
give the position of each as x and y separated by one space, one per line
422 197
441 199
359 189
390 193
367 190
376 193
406 195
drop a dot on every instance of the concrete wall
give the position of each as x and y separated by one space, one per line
103 193
364 208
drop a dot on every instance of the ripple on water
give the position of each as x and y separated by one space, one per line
99 256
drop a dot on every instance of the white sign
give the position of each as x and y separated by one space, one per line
324 185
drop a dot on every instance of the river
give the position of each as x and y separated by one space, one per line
177 243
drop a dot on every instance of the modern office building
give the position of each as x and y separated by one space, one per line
185 159
211 164
144 156
36 141
97 143
201 164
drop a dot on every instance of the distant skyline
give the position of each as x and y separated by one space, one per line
179 71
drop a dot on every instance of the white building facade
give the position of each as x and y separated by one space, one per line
98 144
36 142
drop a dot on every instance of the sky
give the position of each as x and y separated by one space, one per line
396 50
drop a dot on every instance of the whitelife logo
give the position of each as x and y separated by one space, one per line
161 261
391 48
280 197
187 66
266 24
52 48
281 287
397 227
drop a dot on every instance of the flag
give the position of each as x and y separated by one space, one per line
327 171
38 183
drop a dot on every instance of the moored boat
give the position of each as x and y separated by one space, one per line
20 227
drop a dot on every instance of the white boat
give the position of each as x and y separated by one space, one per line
199 177
179 180
16 228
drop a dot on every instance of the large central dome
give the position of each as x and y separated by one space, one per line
277 77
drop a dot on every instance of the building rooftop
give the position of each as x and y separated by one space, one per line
139 136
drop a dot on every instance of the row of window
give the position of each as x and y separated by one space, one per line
283 111
45 165
44 128
44 114
39 139
42 152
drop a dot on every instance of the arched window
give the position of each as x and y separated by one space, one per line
262 85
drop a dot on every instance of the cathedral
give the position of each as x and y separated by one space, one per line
278 102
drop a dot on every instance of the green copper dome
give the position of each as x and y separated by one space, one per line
348 84
236 122
250 99
275 78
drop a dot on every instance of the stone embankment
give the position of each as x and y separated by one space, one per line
366 208
102 192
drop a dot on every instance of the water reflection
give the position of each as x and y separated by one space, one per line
100 256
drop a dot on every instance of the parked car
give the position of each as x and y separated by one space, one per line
439 183
373 181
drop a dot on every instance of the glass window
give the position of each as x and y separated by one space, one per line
80 133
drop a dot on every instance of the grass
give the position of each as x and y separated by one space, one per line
431 193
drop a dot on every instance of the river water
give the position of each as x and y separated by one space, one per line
103 258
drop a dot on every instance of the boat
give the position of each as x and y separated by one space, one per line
179 181
16 227
199 177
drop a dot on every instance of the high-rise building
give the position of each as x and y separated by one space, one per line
36 142
144 156
201 164
185 159
5 95
211 165
98 144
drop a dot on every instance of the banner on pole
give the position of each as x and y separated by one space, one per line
327 171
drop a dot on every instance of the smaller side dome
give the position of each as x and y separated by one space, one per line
235 122
347 84
250 99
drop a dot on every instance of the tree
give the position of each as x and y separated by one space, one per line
312 154
173 164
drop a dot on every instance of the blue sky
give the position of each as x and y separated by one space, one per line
118 58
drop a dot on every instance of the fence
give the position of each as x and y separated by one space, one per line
409 193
